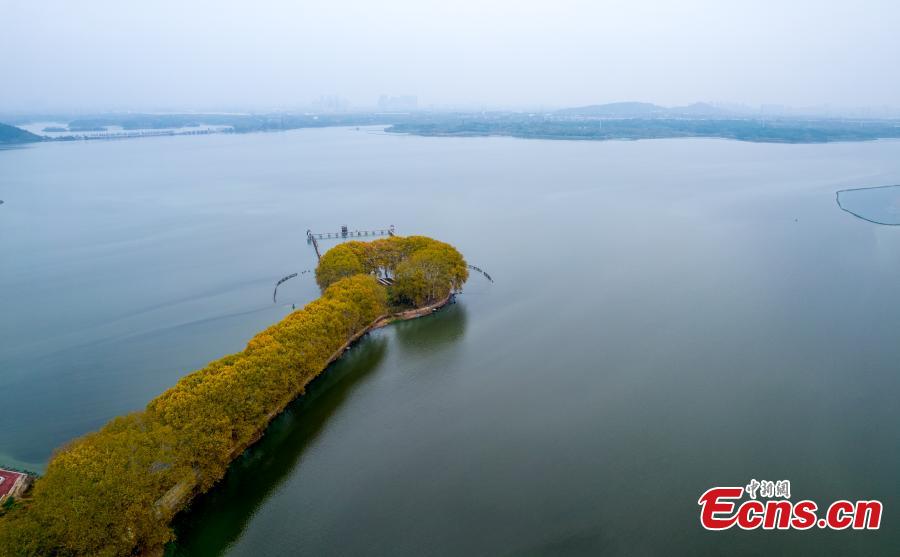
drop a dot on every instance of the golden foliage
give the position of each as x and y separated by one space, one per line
424 270
100 493
103 494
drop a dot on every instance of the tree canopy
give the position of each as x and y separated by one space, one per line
113 492
102 493
423 270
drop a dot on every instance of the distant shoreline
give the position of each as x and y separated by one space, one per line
598 123
792 131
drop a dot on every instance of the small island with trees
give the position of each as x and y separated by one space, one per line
115 491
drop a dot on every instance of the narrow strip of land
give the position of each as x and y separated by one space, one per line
115 491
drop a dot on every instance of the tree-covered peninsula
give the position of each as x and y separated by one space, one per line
114 492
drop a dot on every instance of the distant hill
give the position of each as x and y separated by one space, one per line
620 110
12 134
700 109
643 110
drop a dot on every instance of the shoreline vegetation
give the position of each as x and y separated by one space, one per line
585 128
616 121
114 492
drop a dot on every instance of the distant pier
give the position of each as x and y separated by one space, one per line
314 237
347 233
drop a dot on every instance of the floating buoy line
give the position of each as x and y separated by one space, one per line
480 270
285 279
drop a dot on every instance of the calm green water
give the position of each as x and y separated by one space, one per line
668 316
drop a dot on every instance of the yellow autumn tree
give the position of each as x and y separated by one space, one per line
110 493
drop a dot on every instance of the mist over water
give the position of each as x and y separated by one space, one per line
667 316
170 55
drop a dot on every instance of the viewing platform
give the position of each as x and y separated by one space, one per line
313 237
346 233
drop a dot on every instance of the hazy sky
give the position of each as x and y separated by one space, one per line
205 54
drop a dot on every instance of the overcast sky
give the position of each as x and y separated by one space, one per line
263 54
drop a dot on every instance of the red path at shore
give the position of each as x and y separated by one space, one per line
9 480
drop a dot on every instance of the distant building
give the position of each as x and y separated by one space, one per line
331 103
402 103
12 483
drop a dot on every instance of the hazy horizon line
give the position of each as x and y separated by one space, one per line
349 107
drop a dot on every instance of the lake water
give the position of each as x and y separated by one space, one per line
668 316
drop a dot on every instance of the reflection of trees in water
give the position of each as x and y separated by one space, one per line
217 518
578 542
433 332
